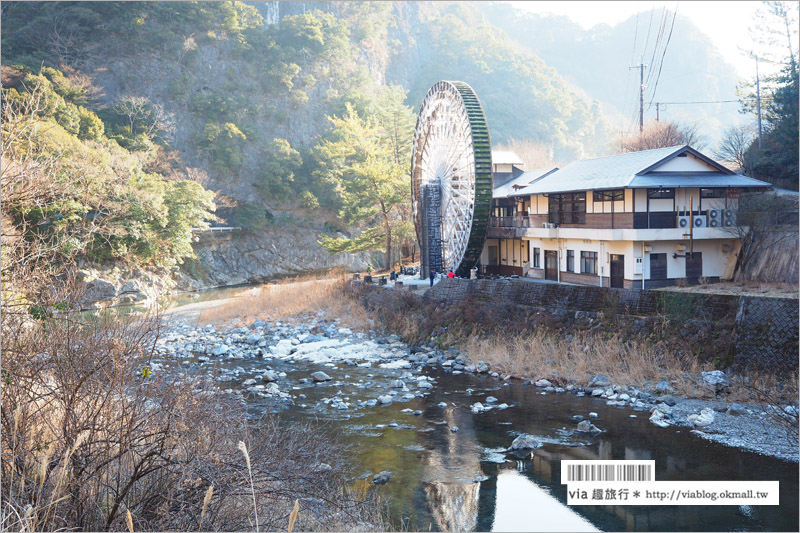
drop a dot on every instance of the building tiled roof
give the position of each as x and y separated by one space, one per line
510 187
711 179
630 170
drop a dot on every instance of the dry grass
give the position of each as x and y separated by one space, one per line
287 299
542 355
530 344
747 288
632 363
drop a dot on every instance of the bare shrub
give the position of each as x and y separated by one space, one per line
93 431
662 135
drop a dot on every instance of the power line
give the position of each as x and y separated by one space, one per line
664 53
711 101
659 36
634 112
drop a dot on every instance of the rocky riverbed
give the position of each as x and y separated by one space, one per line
315 364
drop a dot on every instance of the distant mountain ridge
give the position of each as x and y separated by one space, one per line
597 61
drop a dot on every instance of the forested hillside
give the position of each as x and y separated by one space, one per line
239 97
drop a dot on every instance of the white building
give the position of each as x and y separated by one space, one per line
634 220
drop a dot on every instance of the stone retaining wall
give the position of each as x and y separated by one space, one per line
765 329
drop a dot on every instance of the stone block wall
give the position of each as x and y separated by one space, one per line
766 332
765 329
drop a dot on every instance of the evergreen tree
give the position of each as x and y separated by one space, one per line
362 163
776 160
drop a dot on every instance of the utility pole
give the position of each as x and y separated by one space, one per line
641 68
657 114
758 104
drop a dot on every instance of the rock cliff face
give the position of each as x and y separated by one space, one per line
235 258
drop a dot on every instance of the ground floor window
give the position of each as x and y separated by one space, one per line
694 265
570 260
588 262
658 266
537 262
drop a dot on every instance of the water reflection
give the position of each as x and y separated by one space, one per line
456 481
522 505
452 473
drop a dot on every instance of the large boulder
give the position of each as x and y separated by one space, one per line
253 338
587 427
659 418
705 418
736 409
382 477
600 381
320 376
133 287
524 442
663 386
715 381
269 376
98 290
220 349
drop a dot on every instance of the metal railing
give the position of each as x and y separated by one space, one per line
517 221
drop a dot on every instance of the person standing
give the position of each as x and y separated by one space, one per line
451 274
431 276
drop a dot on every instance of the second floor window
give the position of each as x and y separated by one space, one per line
655 194
536 261
616 195
569 208
570 260
712 193
588 262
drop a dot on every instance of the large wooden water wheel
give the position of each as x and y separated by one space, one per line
451 178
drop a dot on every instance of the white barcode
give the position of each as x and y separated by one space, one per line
577 471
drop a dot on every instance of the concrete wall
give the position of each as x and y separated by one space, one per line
765 329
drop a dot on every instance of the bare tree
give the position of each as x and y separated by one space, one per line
70 43
31 257
662 135
735 142
144 116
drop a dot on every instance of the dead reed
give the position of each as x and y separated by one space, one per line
541 354
289 298
536 344
94 437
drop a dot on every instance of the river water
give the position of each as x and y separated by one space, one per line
462 480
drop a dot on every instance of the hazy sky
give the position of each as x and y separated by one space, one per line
725 22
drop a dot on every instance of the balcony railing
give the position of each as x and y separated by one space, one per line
517 221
